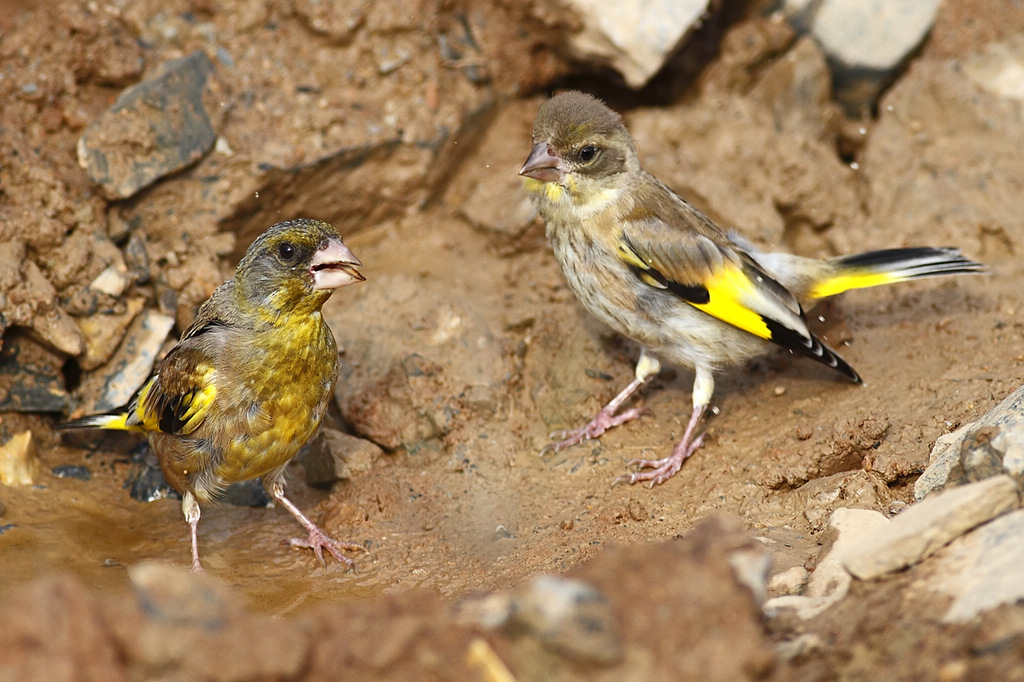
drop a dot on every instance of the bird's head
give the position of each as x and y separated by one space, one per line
295 266
578 142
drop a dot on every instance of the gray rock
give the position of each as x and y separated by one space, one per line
30 376
951 464
570 617
982 570
868 41
929 525
72 471
145 482
798 88
153 129
104 331
634 37
979 458
338 456
1010 442
944 455
112 384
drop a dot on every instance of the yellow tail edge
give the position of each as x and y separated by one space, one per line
889 266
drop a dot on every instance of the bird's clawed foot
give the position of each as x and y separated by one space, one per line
318 541
602 421
661 469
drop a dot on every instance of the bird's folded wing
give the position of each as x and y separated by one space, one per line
714 278
179 395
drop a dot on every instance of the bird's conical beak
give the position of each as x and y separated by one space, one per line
334 265
543 164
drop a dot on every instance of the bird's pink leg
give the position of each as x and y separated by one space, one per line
190 507
663 469
646 367
602 421
318 540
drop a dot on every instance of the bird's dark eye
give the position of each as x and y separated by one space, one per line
588 153
286 251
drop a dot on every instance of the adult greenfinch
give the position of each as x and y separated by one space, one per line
249 381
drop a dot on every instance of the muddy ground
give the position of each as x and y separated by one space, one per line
465 348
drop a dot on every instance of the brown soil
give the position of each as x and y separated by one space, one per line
463 502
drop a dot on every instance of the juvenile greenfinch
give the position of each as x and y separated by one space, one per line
250 380
655 269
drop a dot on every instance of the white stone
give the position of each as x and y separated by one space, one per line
146 335
111 281
830 581
635 37
866 41
873 34
751 567
789 582
929 525
982 570
999 68
1010 442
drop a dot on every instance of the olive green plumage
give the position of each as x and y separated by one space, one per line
249 381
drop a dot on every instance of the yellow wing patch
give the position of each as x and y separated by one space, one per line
722 295
178 409
727 289
196 405
641 268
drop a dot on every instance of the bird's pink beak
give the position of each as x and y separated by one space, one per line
334 265
543 164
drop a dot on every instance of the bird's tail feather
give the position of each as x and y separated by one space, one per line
116 421
873 268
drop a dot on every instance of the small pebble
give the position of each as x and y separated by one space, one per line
501 532
18 461
72 471
790 581
570 617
